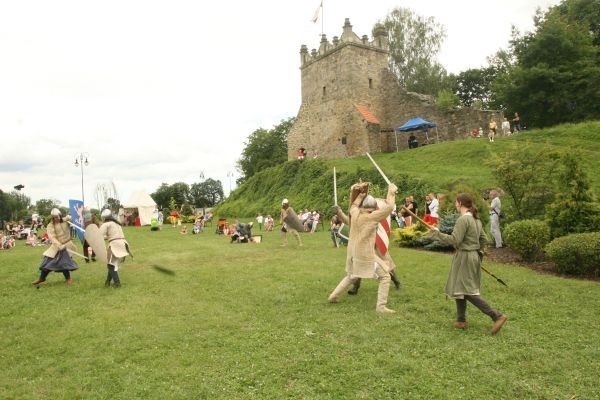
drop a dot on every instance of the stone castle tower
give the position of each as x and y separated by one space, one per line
351 101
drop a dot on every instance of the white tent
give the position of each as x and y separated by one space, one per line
144 204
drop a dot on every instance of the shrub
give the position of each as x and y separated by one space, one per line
410 236
446 225
527 238
576 254
446 100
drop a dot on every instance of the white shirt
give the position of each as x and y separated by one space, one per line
433 208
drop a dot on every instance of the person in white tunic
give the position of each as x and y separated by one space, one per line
118 248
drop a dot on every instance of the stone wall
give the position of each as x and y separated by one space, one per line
352 71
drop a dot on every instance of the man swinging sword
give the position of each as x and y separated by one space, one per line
362 261
381 245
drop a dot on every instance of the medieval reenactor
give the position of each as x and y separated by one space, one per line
57 257
118 248
361 260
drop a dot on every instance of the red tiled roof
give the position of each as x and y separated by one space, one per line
367 115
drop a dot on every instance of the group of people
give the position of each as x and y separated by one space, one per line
404 217
493 127
368 258
265 222
59 256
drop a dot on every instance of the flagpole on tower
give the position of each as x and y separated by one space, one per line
322 19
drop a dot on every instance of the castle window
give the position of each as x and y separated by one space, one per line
344 140
370 83
324 90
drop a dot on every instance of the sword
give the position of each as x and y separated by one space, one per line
75 226
385 178
334 188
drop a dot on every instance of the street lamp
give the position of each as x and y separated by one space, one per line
80 160
230 175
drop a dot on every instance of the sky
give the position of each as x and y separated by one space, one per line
156 91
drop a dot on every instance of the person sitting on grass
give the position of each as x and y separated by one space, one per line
184 230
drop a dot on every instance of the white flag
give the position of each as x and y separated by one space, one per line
315 17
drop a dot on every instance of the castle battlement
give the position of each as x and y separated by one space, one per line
378 43
352 102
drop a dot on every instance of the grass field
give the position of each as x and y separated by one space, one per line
251 321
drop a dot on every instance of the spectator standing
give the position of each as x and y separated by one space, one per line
260 220
495 211
434 206
315 221
505 127
492 132
517 123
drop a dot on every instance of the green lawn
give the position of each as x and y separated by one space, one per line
252 322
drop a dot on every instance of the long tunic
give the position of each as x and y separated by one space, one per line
361 256
117 245
465 273
60 234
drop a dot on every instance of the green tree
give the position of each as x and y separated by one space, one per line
555 78
114 204
446 100
528 176
162 195
574 210
264 149
207 193
475 85
414 44
44 206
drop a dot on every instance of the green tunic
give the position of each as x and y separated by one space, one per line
465 274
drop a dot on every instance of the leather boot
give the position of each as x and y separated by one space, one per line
333 297
355 286
395 279
38 281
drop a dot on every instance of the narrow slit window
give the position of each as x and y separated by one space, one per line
324 90
370 83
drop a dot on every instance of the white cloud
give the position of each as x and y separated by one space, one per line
161 91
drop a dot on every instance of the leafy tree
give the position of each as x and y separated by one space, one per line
528 175
446 100
207 193
114 204
555 78
264 149
172 204
414 43
162 195
575 210
475 85
44 206
180 192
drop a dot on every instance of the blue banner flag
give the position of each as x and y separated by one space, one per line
76 212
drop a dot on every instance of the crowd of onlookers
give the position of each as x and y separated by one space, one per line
14 231
430 213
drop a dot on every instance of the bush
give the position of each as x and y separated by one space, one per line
446 226
527 238
576 254
410 236
446 100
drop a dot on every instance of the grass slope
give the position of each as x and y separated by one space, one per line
429 168
252 322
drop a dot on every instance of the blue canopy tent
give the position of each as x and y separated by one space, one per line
416 124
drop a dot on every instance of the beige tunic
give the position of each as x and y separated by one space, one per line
60 234
361 256
117 245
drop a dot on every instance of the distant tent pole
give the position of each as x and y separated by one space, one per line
396 134
437 136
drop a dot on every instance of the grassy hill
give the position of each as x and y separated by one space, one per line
417 171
